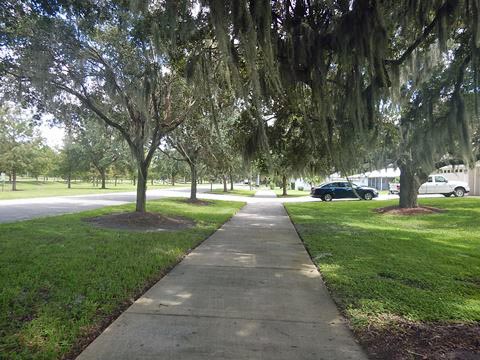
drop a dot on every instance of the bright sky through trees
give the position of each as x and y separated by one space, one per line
53 135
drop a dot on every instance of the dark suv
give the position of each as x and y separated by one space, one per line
342 190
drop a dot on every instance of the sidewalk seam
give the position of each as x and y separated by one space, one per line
231 318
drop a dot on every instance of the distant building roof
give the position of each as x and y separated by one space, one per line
383 173
460 166
388 172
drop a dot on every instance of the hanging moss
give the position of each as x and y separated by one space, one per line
355 57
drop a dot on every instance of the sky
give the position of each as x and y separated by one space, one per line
52 135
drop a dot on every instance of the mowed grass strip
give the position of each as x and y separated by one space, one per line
61 279
423 268
238 192
291 193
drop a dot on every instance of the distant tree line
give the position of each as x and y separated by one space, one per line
93 151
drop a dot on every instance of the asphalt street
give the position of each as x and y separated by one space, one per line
23 209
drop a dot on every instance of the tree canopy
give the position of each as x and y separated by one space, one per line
113 59
358 61
21 147
346 74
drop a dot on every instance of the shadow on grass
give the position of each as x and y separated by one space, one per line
61 279
420 267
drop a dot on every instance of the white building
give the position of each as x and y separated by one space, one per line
378 179
301 184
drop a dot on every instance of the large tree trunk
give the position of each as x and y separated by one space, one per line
104 178
284 185
225 189
193 185
231 181
173 180
14 180
410 181
69 181
141 188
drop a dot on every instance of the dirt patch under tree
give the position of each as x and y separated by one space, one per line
420 210
198 202
401 339
147 222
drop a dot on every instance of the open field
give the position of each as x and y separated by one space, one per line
31 189
62 280
392 273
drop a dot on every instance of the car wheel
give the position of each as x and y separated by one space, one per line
368 196
327 197
459 192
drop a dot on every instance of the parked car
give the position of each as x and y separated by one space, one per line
342 190
438 184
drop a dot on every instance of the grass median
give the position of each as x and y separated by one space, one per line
62 279
410 285
237 192
291 193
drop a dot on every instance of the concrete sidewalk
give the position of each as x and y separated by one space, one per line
250 291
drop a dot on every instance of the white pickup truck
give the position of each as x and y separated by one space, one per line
438 184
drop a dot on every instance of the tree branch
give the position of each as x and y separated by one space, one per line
426 32
178 120
107 66
170 156
88 102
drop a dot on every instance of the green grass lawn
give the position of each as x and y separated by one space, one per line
422 268
291 193
31 189
61 278
239 192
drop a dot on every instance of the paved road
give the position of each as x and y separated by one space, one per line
250 291
22 209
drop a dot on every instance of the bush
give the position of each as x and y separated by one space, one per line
272 186
300 188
